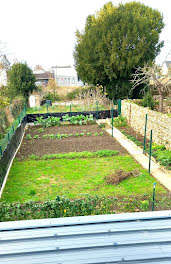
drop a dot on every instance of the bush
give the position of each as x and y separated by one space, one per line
148 100
14 109
52 97
72 95
120 121
80 92
162 155
17 106
65 207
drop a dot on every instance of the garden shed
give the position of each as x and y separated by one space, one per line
121 238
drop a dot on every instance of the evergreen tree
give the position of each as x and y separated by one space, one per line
21 80
115 41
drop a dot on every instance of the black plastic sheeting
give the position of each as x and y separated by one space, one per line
10 150
101 114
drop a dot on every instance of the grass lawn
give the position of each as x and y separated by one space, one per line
39 180
64 108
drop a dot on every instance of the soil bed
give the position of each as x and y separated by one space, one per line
130 131
92 142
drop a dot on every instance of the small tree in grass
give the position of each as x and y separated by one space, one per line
21 80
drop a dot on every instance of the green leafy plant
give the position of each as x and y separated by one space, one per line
79 119
36 137
144 205
40 130
48 122
28 137
75 155
102 125
161 154
120 121
34 157
63 206
137 142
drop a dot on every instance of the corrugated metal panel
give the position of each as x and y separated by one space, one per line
124 238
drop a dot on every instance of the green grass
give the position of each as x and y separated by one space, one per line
63 108
40 180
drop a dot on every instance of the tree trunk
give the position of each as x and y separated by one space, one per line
161 103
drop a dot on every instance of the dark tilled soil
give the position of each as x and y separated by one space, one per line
72 144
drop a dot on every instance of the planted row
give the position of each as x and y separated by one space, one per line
56 121
64 207
60 136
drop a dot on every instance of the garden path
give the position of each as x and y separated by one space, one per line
163 176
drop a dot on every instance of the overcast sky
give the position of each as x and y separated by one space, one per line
43 31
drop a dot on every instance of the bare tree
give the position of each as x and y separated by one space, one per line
151 76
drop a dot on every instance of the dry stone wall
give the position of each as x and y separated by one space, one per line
158 122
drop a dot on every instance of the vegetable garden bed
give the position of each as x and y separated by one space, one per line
76 161
75 138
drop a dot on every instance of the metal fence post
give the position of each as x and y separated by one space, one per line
119 107
112 121
8 137
150 151
97 114
70 110
25 109
144 146
154 187
0 150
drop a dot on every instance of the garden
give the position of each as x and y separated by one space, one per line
159 152
74 167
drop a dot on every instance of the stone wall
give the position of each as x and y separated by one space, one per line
158 122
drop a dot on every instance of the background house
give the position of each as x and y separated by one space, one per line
166 68
66 76
4 66
42 76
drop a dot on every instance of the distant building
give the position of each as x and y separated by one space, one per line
42 76
166 68
4 66
66 76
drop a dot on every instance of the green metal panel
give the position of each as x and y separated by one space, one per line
119 107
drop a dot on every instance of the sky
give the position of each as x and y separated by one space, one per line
42 32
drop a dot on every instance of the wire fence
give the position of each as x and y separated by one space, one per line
4 142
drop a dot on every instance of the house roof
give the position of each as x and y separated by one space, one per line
44 76
121 238
4 61
168 63
63 71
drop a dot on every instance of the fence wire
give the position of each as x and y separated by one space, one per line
4 142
